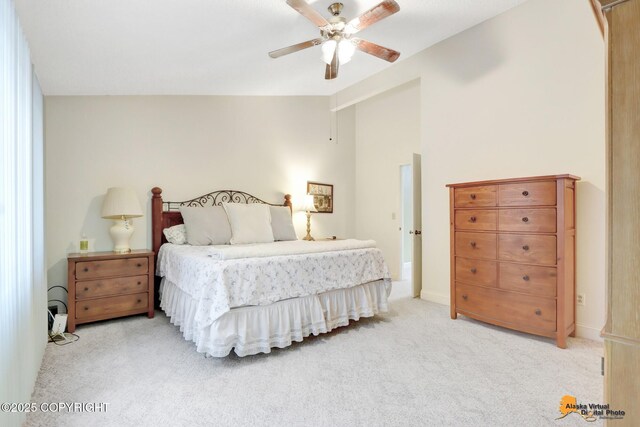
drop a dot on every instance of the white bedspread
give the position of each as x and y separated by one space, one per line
294 247
220 285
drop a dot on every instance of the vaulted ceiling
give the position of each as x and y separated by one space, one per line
217 47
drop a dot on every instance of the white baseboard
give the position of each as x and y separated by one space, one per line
437 298
588 332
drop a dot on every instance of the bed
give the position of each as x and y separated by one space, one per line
251 298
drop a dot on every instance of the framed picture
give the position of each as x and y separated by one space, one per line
322 196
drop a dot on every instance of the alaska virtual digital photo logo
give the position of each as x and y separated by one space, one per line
589 412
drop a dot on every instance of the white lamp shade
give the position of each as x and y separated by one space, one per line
308 205
121 202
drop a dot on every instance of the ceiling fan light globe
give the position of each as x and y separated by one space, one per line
345 51
328 49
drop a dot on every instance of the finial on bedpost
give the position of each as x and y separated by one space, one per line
287 201
156 218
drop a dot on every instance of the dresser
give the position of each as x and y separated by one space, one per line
105 285
513 253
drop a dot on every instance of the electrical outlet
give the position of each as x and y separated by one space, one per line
580 299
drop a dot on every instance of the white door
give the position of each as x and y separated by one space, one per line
416 230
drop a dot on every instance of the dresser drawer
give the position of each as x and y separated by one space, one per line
476 272
486 220
516 309
111 305
530 279
114 286
469 197
111 267
475 245
533 220
527 248
527 194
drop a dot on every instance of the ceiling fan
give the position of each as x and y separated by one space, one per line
336 39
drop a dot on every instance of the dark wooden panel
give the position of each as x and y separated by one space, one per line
111 268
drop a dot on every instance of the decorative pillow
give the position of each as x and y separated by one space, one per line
206 226
176 234
282 223
250 223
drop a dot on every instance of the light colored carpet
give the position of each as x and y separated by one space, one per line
413 366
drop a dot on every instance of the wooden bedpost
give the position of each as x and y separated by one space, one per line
156 219
287 202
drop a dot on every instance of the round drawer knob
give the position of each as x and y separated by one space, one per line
86 269
473 270
538 312
464 297
472 219
86 308
525 193
473 244
473 196
525 278
525 247
139 283
139 301
525 219
86 289
139 265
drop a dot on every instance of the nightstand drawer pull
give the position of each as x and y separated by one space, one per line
86 289
525 193
86 269
525 278
473 219
465 297
474 270
473 244
525 219
139 265
525 247
473 196
538 312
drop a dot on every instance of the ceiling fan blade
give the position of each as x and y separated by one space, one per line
371 16
308 12
331 72
375 49
295 48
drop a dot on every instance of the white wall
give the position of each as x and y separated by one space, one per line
521 94
188 146
387 135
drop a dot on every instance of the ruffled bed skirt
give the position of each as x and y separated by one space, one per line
257 329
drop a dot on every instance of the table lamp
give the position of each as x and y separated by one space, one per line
308 207
121 204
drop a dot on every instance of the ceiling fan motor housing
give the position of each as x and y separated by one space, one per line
335 8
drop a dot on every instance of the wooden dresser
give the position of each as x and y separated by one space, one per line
104 285
513 253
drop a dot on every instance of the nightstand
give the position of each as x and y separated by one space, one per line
105 285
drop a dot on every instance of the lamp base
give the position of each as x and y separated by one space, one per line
308 236
121 232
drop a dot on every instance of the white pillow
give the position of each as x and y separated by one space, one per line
282 223
206 225
176 234
250 223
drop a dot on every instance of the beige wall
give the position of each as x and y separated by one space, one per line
387 135
188 146
521 94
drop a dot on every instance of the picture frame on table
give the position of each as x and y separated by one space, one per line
322 196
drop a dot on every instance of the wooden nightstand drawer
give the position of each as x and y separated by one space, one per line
111 306
116 286
111 268
104 285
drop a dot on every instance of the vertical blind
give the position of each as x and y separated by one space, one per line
22 276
